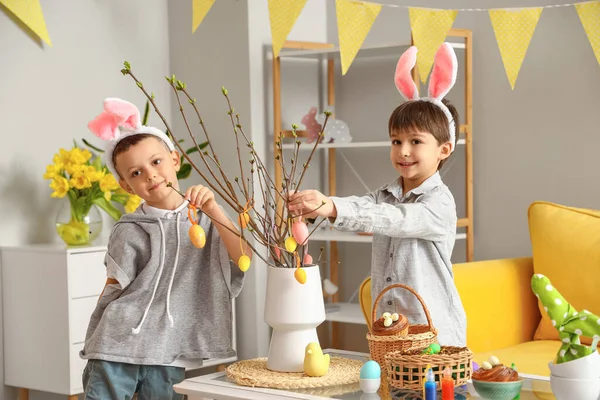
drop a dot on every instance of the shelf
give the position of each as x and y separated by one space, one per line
332 235
308 146
389 49
348 312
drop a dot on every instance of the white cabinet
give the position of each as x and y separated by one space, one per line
49 293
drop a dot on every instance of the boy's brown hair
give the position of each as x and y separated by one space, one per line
129 141
424 116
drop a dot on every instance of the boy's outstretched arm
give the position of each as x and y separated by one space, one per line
203 198
430 219
311 204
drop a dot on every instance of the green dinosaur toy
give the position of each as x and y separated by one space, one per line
570 323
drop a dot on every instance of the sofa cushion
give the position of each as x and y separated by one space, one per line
566 248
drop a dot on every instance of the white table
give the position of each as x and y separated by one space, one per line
216 386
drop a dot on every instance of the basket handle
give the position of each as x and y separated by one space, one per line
399 285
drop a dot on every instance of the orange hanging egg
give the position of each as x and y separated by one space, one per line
300 275
291 244
243 219
300 232
197 235
244 263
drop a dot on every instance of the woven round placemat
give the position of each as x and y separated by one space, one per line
254 372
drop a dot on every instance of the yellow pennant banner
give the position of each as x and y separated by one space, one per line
199 10
283 15
589 14
354 21
514 30
429 29
30 13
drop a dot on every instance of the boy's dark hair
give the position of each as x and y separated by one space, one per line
129 141
425 116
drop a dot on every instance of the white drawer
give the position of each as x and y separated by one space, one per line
77 365
87 274
80 311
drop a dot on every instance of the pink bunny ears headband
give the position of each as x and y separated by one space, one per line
443 77
121 119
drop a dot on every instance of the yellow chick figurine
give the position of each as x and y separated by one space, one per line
315 362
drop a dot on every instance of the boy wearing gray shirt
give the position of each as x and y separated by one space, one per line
413 219
167 302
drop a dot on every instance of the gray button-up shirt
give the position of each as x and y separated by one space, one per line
413 238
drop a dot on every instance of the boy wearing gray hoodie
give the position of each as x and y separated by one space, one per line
166 303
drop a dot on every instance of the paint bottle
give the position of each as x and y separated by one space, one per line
430 389
447 385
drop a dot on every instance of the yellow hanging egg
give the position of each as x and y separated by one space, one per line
300 275
243 220
244 263
197 235
291 244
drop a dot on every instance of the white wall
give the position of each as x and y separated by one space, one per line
48 94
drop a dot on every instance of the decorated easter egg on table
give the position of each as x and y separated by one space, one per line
197 236
244 263
370 370
300 232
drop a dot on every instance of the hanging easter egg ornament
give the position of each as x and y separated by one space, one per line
300 232
196 232
300 275
308 260
244 263
243 219
291 244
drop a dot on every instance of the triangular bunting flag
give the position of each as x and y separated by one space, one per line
199 10
354 21
283 15
589 14
30 13
514 30
429 29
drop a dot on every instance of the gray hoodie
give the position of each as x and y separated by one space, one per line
173 300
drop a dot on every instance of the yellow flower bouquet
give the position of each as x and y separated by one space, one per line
81 176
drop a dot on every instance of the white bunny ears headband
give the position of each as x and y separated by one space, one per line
121 119
443 77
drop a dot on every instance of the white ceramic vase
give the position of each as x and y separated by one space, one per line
294 311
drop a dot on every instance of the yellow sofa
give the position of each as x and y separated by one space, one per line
503 315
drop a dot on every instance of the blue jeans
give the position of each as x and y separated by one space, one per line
103 380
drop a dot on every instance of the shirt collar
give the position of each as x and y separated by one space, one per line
430 183
160 213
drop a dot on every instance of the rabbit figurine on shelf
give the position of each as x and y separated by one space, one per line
313 128
336 131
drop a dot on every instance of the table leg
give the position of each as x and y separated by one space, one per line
23 394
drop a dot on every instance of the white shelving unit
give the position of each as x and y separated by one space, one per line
328 55
304 146
333 235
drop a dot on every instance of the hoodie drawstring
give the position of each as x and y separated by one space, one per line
173 274
163 244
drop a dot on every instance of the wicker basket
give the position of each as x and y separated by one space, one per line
419 336
408 369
